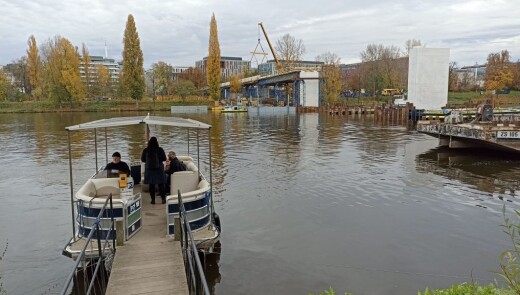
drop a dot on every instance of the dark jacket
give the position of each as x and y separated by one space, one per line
121 166
154 168
175 165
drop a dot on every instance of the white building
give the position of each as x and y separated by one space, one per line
114 68
428 73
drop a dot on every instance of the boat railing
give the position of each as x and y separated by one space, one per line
98 277
194 272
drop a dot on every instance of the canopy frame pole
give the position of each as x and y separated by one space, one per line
211 177
198 150
106 145
95 147
71 189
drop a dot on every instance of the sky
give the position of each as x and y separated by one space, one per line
177 31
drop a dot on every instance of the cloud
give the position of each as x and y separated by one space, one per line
177 31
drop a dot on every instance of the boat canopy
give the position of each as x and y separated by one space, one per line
150 120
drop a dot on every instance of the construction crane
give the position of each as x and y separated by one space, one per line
277 62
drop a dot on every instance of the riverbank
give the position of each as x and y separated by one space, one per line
98 106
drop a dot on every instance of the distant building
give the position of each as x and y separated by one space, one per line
114 68
269 67
471 76
229 66
177 70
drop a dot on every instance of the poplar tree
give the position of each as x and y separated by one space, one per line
34 68
86 68
133 71
213 61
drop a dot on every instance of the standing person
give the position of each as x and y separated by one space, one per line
154 156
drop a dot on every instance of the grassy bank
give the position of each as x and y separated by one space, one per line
474 98
99 106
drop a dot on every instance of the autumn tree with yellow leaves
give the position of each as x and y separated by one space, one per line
86 68
63 80
34 65
133 71
213 62
235 85
331 75
499 71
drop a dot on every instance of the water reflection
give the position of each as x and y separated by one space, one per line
211 266
487 171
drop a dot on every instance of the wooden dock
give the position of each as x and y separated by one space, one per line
150 262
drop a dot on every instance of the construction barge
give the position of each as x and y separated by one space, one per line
499 131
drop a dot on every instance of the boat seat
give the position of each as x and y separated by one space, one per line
185 181
101 187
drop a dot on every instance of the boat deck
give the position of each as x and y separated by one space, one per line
150 262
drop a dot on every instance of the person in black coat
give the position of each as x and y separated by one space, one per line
173 166
117 164
154 156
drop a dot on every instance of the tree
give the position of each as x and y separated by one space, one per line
213 62
133 71
86 67
183 88
34 65
194 75
6 89
289 51
379 67
411 43
103 81
499 71
163 77
452 76
235 85
62 71
18 71
331 74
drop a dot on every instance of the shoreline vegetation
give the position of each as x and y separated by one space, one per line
114 105
455 99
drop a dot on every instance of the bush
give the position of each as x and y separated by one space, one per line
469 289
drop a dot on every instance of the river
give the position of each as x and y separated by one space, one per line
306 202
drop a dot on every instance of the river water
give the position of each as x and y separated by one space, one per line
306 202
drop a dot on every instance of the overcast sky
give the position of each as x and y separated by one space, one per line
177 31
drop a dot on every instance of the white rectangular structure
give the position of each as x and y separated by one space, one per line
310 92
428 71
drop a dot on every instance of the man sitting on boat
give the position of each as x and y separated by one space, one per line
173 165
117 164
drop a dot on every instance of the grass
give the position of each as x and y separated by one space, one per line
474 98
145 104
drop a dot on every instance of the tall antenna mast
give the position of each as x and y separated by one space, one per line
106 49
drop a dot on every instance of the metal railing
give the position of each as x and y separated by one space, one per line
194 272
95 233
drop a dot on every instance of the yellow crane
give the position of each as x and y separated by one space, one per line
277 62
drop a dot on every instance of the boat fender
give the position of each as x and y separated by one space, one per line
216 218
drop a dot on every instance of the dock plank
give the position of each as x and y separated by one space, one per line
150 262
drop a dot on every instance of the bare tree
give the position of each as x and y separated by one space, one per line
411 43
289 51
